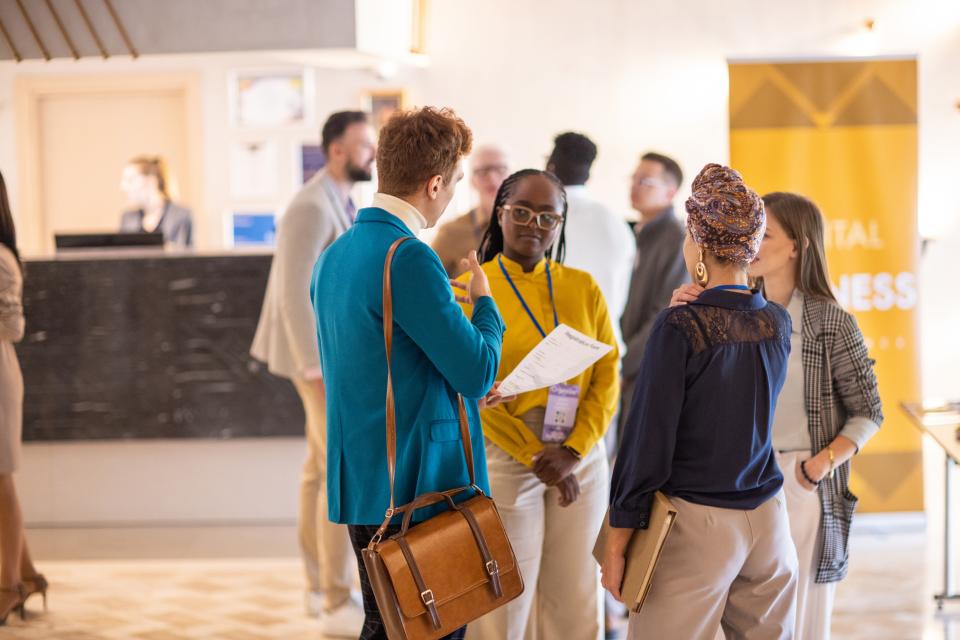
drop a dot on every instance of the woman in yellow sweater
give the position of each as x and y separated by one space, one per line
550 481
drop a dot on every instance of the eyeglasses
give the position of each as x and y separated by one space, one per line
490 169
546 220
640 181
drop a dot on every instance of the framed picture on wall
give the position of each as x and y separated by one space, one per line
253 227
383 103
311 159
271 98
253 170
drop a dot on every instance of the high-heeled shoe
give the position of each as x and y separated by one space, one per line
17 604
35 584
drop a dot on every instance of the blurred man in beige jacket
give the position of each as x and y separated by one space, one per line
286 340
460 236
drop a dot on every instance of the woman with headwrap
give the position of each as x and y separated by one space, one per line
699 431
829 407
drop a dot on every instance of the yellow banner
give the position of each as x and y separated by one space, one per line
845 135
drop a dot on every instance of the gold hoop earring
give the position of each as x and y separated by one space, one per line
701 271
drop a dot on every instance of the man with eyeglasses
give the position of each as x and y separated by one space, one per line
659 267
598 241
457 238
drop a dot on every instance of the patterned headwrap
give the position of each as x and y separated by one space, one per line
725 216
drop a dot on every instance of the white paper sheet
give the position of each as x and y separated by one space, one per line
563 354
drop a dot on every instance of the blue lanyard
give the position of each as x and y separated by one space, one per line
733 287
533 318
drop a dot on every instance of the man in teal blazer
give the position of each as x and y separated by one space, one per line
437 351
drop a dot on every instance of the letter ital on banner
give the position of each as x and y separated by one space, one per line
844 133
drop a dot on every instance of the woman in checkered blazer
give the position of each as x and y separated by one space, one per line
829 406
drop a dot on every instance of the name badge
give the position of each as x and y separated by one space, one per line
561 412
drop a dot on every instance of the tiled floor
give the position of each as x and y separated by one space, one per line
886 596
169 600
889 591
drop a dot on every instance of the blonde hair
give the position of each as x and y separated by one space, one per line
154 166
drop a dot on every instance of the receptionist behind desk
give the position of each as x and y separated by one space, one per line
144 182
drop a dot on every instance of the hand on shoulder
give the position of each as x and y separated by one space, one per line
686 293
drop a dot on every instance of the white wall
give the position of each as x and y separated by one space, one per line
652 75
161 482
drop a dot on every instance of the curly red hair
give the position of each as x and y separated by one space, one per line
418 144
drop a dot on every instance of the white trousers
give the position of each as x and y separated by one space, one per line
728 568
814 601
328 558
562 597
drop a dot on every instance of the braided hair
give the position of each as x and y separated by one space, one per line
492 242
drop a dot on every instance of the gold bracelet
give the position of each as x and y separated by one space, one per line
832 468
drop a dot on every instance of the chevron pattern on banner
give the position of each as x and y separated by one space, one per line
844 133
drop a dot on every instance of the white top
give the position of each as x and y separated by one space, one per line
408 214
790 431
600 243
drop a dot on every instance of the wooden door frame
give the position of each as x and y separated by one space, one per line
29 90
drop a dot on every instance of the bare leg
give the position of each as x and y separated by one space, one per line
27 569
11 533
11 537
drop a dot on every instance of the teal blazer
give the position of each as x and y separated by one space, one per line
437 352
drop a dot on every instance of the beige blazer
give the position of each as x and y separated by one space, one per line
286 337
11 380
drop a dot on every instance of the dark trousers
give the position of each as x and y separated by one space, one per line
373 629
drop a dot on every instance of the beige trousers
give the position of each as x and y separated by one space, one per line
726 568
814 601
327 553
562 597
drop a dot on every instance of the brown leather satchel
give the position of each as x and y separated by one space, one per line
432 578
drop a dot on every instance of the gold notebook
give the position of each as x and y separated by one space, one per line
643 551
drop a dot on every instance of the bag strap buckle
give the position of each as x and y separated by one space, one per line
492 567
427 597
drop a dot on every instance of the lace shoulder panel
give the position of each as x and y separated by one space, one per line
706 326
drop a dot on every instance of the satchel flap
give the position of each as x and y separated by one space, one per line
447 555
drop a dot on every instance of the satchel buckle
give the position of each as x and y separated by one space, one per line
427 597
390 512
493 568
377 537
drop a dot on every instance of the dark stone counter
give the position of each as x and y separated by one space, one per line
149 346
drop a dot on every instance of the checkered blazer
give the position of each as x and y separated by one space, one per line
838 383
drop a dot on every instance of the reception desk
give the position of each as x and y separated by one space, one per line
135 344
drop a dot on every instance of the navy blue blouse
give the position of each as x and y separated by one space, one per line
700 424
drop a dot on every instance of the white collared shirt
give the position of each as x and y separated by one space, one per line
600 243
402 209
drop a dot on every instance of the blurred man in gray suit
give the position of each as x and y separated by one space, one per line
286 340
658 267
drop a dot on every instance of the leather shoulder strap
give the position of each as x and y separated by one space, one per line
391 413
388 343
467 444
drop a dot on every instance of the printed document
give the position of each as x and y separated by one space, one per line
565 353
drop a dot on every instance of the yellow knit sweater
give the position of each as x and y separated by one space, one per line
580 305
